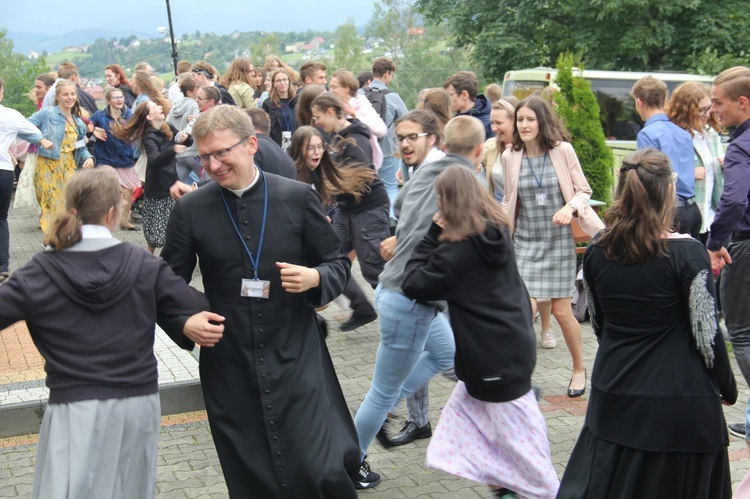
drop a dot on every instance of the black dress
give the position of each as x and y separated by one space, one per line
654 426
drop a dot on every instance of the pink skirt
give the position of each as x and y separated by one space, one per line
128 176
502 444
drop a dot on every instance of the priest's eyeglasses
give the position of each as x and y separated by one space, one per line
220 155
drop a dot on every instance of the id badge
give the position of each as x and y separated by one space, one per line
80 144
286 140
541 199
252 288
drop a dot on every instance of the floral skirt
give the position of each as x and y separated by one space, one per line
128 176
50 177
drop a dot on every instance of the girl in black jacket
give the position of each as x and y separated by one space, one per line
160 142
491 430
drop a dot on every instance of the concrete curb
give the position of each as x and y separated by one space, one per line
25 418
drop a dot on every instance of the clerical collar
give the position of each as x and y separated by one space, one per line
240 192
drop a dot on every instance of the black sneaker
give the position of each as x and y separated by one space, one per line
737 429
357 320
505 494
365 478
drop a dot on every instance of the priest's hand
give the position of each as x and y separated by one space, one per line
204 328
298 279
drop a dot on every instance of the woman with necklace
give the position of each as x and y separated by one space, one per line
279 109
62 125
545 189
114 153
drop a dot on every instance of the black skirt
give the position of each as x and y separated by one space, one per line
601 469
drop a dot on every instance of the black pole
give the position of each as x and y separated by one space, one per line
171 35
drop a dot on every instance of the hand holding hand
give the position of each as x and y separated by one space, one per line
179 148
100 134
297 278
200 328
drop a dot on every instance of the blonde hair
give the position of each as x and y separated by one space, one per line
735 82
463 134
223 117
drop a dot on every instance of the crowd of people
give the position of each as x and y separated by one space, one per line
460 213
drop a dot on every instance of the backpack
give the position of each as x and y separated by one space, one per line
377 99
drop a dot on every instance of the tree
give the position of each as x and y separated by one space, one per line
632 35
579 109
266 45
19 74
348 47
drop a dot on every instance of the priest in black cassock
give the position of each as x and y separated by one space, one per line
268 256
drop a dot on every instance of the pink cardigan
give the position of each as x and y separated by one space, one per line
573 185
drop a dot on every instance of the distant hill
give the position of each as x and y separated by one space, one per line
25 42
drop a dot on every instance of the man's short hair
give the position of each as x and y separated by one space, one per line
309 69
464 80
735 82
223 117
463 134
261 120
651 91
381 66
183 67
143 66
67 70
424 118
186 83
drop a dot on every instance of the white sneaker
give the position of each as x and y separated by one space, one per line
548 339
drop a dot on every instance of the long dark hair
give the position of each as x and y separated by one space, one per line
330 180
136 128
643 209
551 129
465 205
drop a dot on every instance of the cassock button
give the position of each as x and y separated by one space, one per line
245 222
263 376
266 391
278 453
247 238
269 406
243 205
281 469
260 315
260 330
270 423
283 485
261 345
275 437
262 360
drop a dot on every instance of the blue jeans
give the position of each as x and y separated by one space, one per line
6 191
387 175
416 343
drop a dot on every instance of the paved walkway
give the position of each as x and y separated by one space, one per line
188 465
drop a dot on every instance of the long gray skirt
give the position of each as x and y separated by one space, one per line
98 448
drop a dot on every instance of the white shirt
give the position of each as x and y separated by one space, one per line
11 124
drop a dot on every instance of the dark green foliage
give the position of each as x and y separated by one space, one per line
19 74
578 107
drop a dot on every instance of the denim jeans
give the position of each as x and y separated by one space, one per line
6 191
387 175
416 343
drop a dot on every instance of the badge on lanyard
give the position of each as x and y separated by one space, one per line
286 140
541 199
80 144
253 288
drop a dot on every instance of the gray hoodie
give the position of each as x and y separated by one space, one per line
178 117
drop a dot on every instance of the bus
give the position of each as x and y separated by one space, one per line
612 89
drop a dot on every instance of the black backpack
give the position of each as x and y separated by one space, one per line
377 99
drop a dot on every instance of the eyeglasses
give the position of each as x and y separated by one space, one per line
319 147
704 110
117 97
220 155
411 138
281 80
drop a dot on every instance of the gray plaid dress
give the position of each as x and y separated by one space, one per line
545 252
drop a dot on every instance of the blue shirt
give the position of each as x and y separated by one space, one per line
732 214
677 144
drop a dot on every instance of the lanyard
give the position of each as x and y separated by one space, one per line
541 174
254 262
285 116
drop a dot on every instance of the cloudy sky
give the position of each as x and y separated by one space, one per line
218 16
